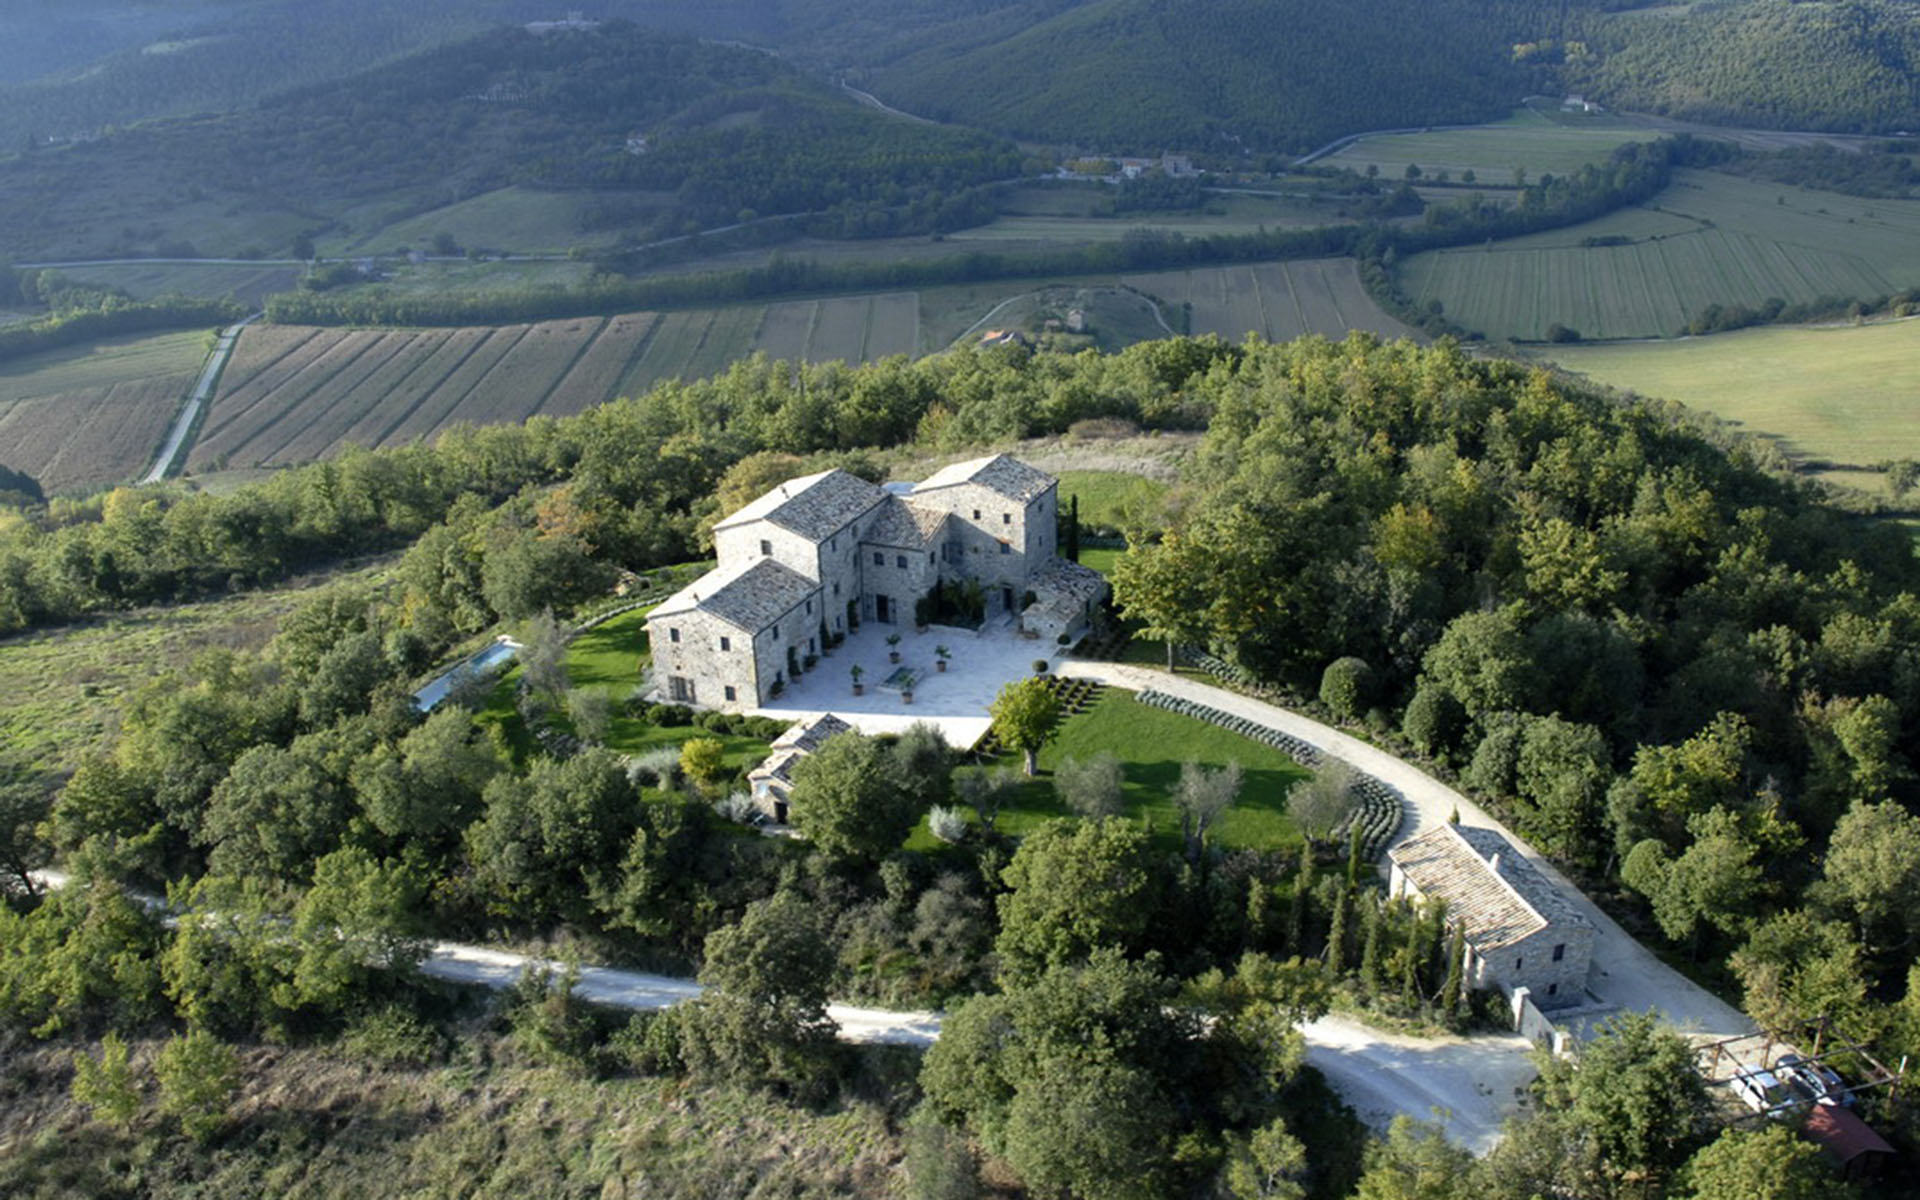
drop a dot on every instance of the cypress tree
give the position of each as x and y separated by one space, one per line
1073 528
1353 856
1302 897
1451 992
1372 918
1337 932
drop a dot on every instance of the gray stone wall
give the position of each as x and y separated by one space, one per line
983 523
698 658
901 575
796 629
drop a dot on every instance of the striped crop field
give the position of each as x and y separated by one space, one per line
293 394
1278 301
81 440
1708 239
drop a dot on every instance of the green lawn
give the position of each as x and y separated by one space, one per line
1842 394
1555 144
1152 743
1106 496
609 657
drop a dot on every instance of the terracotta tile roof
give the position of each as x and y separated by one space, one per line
1002 473
814 506
749 597
1489 887
899 523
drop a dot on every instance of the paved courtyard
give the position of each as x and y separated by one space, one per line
955 700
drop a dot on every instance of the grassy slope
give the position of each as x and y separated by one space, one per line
315 1122
117 360
1151 744
1841 394
1106 496
64 686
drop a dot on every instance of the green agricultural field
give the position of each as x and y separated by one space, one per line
512 220
1151 744
1278 301
487 275
102 364
1708 239
1531 140
1840 395
250 284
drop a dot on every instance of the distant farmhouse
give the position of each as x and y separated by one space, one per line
819 555
772 780
1521 932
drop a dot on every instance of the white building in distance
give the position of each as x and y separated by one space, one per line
816 557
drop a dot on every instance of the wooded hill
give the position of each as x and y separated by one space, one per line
728 129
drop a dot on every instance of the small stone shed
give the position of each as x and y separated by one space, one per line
772 780
1521 932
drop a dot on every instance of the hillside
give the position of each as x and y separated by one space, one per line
1838 67
1128 75
727 129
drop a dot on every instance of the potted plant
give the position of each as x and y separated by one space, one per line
943 654
859 689
1039 666
906 694
893 647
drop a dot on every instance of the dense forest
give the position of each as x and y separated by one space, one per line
1846 67
730 132
1666 663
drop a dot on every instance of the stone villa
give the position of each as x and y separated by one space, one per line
817 556
1521 932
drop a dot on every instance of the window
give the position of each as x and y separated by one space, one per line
673 634
900 560
879 559
1006 518
1518 961
726 643
836 587
1553 989
976 514
1005 548
809 608
1559 952
776 633
766 547
730 693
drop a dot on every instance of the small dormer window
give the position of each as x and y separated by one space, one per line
766 548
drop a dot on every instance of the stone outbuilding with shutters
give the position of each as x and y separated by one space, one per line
818 556
1521 932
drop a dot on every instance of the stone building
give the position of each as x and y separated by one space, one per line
818 556
772 780
1520 931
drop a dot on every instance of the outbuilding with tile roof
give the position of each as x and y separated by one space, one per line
1520 931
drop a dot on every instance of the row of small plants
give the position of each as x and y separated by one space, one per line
1378 811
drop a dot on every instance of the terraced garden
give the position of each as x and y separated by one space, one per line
1708 239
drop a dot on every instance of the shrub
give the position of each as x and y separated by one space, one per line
1346 686
394 1036
737 806
1039 666
199 1076
1433 720
656 768
947 824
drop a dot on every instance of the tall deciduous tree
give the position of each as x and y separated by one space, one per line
1075 887
763 1018
848 799
1025 714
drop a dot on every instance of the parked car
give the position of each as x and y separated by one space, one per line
1765 1092
1818 1081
